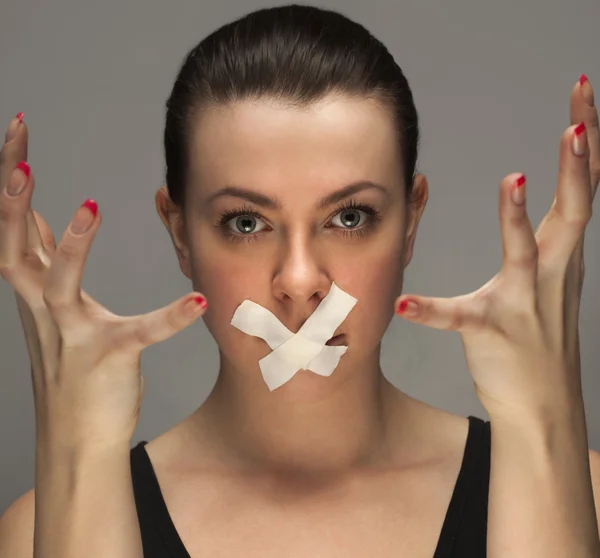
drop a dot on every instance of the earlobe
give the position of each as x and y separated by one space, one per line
170 215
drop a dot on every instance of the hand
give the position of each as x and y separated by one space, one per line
520 330
85 360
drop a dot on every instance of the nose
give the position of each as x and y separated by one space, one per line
300 277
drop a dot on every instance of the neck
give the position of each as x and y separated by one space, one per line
310 424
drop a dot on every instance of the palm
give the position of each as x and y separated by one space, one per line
520 329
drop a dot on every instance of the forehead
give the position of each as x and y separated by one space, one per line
270 145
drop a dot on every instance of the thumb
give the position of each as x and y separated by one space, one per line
438 313
161 324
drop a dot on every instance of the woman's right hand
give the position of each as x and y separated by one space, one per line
85 360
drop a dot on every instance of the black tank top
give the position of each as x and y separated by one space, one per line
463 533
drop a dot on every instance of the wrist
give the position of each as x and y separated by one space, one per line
543 434
76 461
79 488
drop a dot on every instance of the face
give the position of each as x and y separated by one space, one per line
281 202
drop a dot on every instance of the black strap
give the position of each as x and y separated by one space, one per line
159 536
464 532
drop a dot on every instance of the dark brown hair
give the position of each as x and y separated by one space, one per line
296 54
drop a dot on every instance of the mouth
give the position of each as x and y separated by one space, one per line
337 340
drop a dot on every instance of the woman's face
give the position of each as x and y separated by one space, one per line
259 224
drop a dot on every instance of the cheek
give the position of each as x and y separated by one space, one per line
376 283
225 282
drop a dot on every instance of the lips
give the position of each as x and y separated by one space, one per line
337 340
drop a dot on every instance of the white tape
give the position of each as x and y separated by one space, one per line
305 349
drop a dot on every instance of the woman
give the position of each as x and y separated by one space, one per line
291 144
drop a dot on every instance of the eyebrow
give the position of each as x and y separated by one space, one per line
275 204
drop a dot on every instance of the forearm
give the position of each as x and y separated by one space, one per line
540 496
85 505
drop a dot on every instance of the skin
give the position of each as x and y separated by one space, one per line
297 156
300 256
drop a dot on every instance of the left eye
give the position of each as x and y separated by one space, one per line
245 224
349 218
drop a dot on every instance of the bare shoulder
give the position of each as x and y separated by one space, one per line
595 474
428 434
595 468
16 528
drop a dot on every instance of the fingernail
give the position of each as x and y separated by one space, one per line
578 142
408 308
195 305
20 117
202 302
84 217
518 190
586 90
18 180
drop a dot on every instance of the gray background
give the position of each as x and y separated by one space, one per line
491 82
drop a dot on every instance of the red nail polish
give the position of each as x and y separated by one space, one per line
582 79
91 205
580 129
402 306
20 117
201 301
24 167
520 181
408 307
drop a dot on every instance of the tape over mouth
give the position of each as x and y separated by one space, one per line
314 347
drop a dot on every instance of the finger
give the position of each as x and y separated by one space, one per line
519 247
16 139
452 314
62 292
160 325
571 211
583 110
13 125
13 151
14 205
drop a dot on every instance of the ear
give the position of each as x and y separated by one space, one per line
172 217
416 205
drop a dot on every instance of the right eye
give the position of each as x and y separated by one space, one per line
245 224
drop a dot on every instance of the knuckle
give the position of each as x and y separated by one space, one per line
8 271
525 260
53 301
579 222
517 221
7 211
4 155
173 321
582 221
68 252
141 336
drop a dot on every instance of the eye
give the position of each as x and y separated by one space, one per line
245 224
350 218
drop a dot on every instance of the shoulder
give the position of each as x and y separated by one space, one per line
16 528
435 436
595 474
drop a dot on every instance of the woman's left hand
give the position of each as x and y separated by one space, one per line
520 330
